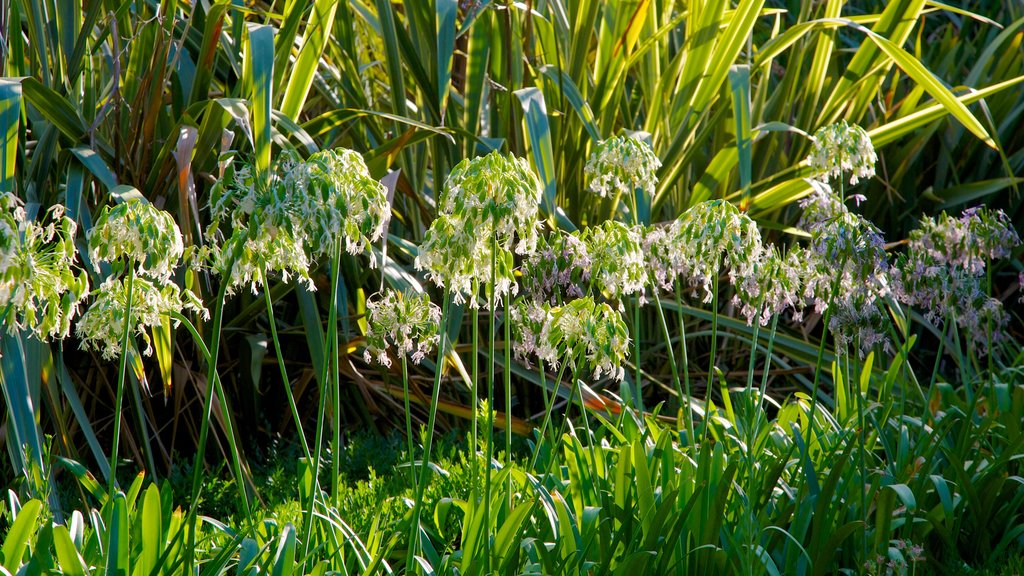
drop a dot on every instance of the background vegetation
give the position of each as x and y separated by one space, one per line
103 95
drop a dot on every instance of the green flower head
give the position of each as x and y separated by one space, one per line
40 290
342 201
617 262
594 330
409 322
498 194
840 149
139 232
103 324
622 164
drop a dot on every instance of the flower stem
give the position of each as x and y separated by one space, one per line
121 372
431 420
283 369
714 345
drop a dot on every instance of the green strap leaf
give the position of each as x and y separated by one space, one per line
259 68
10 119
19 538
314 39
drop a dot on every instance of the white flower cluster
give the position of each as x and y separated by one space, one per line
773 287
591 331
134 231
943 267
39 289
531 332
842 148
103 324
847 266
409 322
712 235
487 201
137 232
283 220
618 266
267 228
342 201
622 164
594 330
559 268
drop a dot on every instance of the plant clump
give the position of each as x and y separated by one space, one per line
144 244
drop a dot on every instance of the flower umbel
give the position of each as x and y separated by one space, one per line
842 148
617 259
39 288
594 330
103 324
559 268
409 322
341 201
622 164
943 268
137 231
498 194
712 235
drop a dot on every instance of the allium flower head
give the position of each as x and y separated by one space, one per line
103 324
774 286
456 258
622 164
39 289
531 332
617 261
268 220
342 201
943 267
137 231
711 235
409 322
594 330
497 194
846 266
559 267
840 236
842 148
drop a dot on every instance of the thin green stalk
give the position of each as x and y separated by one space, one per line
431 419
331 340
574 358
751 409
474 392
686 363
714 345
332 337
283 369
121 372
204 429
638 395
548 410
861 462
490 399
671 349
412 460
507 373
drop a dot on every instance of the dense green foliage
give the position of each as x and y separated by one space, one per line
679 333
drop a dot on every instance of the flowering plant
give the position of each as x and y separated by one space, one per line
409 322
842 148
622 164
40 291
